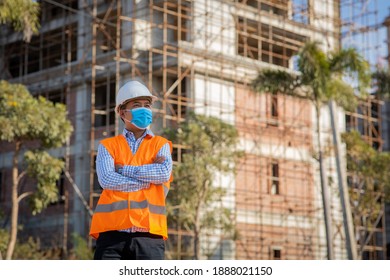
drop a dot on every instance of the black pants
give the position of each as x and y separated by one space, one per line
116 245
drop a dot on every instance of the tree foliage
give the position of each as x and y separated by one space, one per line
47 170
369 165
4 237
320 77
369 179
382 82
31 249
32 125
23 15
80 250
195 202
24 118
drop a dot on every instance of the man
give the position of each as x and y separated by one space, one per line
134 169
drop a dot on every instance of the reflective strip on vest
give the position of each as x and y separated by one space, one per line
121 205
105 208
155 209
138 204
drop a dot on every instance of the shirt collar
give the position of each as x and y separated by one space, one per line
128 134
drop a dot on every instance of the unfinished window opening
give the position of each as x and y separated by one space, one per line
178 100
248 39
277 7
274 181
106 35
55 47
276 253
269 44
60 184
55 96
15 61
272 111
47 50
51 11
34 57
274 106
250 3
105 103
61 187
178 21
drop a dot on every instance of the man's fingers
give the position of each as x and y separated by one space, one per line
159 160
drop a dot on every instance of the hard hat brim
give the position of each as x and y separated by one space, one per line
152 98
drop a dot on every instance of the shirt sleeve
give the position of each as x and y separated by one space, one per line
111 180
155 173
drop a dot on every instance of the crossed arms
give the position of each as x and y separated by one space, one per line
129 178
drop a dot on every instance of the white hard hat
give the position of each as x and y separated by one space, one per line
132 90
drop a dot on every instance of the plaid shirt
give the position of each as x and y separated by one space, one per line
132 178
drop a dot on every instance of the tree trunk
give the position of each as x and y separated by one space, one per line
324 189
343 189
15 203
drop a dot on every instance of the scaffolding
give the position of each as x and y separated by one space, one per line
370 226
360 30
198 56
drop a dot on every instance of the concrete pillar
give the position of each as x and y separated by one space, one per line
81 158
82 125
127 26
84 28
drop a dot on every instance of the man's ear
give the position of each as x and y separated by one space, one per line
121 113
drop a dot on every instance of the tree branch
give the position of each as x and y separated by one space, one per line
23 195
21 175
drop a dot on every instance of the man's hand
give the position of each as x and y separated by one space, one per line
159 160
117 166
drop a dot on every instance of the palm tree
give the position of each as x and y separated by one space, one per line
320 80
382 83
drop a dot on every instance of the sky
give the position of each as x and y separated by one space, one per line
366 13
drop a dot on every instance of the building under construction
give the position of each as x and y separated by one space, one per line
198 56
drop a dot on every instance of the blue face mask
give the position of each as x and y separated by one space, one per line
141 117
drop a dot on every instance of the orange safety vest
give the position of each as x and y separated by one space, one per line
145 208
